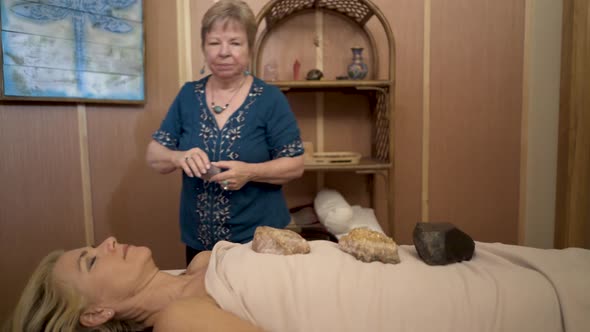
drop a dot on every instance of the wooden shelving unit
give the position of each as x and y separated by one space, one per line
330 85
380 92
365 165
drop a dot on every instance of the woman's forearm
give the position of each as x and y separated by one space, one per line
161 158
278 171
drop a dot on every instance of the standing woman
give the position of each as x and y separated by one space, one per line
233 122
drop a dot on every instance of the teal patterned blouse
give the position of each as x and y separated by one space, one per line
263 128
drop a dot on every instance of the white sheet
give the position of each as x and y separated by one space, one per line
568 270
503 288
175 272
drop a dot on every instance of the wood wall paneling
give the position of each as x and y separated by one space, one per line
476 100
302 192
406 18
131 201
40 193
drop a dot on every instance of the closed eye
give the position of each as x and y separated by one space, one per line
91 263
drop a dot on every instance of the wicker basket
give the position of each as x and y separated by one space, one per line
323 158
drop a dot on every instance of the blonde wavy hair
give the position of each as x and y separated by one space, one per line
47 305
225 10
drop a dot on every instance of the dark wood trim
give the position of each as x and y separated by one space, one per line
561 220
572 212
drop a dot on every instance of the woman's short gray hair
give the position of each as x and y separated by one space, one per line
226 10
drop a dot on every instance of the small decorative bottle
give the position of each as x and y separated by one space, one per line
358 69
296 67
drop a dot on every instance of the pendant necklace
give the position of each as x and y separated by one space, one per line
218 109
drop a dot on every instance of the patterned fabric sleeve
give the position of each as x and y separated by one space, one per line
169 132
282 131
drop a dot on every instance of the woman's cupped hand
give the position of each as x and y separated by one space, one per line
234 174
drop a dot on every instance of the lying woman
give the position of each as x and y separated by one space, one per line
118 287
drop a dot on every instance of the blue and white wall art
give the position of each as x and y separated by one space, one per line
78 50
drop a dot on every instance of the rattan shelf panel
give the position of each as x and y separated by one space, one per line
366 164
356 10
327 85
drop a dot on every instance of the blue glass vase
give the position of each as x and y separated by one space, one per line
358 69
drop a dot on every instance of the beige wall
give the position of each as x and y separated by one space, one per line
540 121
470 114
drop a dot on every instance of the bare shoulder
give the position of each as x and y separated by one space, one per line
199 262
200 314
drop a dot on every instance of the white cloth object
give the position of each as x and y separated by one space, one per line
333 211
502 288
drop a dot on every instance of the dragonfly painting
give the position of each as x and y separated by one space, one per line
84 17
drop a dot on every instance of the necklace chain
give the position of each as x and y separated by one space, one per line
218 109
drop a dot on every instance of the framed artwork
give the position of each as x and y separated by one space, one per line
72 50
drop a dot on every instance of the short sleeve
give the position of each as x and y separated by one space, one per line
169 132
283 133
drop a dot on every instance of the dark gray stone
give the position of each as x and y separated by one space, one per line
442 243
